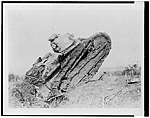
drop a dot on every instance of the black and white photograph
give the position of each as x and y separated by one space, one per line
73 58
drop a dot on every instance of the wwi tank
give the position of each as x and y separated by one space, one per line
73 63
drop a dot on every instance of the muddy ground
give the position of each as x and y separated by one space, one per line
111 91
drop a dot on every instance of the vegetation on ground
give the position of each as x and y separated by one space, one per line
112 89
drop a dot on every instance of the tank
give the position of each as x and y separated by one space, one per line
72 63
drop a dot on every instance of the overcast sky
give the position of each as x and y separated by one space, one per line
29 26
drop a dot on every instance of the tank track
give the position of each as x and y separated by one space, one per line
83 62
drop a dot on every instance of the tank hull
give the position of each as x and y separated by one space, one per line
60 73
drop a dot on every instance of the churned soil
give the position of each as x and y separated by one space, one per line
109 92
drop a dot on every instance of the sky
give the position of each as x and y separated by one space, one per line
28 27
